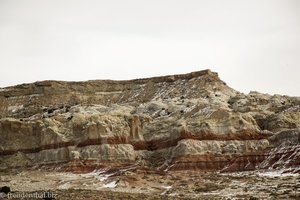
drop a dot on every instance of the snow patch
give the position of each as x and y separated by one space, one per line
167 189
107 93
64 186
98 174
276 173
4 89
189 109
112 184
14 109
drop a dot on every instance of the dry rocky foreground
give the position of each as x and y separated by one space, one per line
186 136
138 184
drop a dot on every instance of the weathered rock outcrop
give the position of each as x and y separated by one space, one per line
191 121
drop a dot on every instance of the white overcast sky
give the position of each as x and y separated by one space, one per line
252 44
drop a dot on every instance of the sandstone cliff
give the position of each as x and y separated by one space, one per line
191 121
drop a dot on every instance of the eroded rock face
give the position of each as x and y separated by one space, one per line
285 151
191 121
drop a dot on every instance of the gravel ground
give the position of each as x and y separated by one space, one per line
145 185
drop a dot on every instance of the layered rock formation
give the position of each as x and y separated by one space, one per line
191 121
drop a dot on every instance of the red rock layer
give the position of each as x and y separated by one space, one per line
244 162
91 165
287 158
225 163
147 145
200 162
247 134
